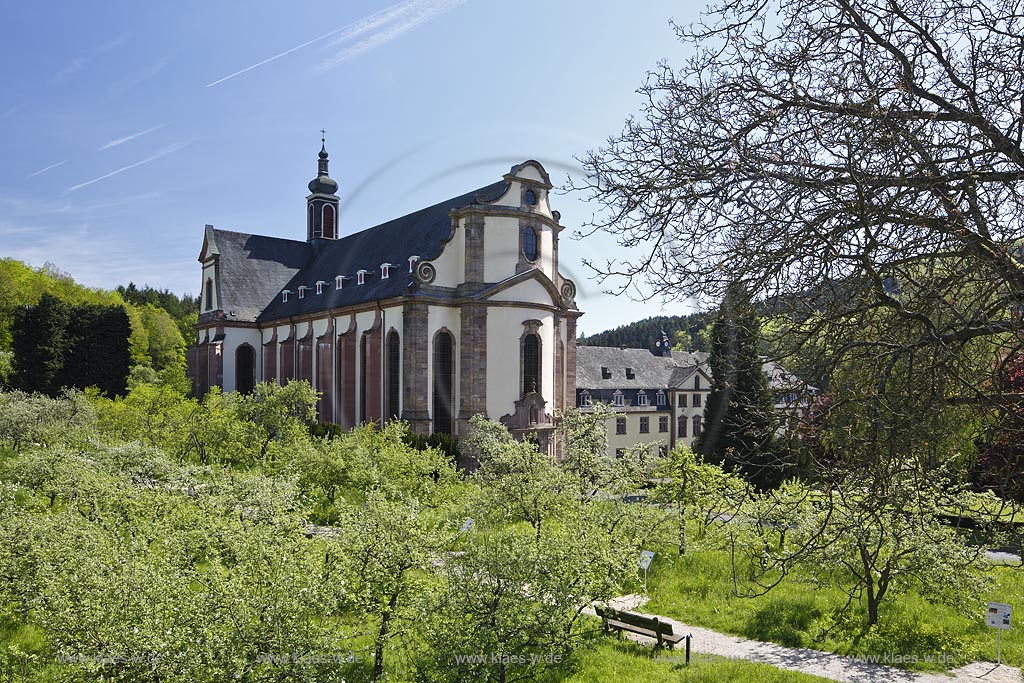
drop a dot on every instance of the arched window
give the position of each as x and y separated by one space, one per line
328 226
617 398
245 369
530 243
394 368
696 425
530 197
444 376
209 294
364 343
531 364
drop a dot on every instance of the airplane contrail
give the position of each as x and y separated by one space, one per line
44 170
129 138
348 32
170 149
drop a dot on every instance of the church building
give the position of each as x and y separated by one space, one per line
454 310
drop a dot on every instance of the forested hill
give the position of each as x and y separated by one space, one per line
687 332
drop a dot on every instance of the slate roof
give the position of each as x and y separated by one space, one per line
421 233
253 269
651 371
656 371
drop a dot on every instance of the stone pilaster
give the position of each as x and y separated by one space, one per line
570 358
473 364
415 347
474 250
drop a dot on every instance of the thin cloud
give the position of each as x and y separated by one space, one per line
129 138
420 11
79 63
170 149
345 33
44 170
139 77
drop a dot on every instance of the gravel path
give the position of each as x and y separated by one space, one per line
836 667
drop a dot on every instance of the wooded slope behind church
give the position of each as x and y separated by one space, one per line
451 311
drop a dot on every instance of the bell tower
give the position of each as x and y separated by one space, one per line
322 203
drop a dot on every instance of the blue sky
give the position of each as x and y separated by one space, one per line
127 127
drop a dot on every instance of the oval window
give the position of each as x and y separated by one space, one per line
530 243
530 197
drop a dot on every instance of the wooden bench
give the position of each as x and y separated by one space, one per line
652 627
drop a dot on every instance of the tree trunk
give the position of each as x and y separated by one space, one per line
382 634
682 528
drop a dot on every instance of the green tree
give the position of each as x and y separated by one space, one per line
739 418
40 344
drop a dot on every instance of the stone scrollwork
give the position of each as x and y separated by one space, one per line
568 291
425 272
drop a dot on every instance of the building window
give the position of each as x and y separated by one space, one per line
620 425
586 399
641 398
394 368
412 262
284 295
245 369
209 294
682 400
696 382
444 382
531 364
662 451
328 226
360 277
659 398
605 373
530 197
302 291
339 281
617 398
320 287
683 423
696 400
530 243
385 271
645 425
620 452
696 425
630 374
663 424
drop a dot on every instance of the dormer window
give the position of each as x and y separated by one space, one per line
606 373
641 398
660 398
339 281
413 260
630 374
360 277
586 399
284 295
617 398
385 270
320 286
302 291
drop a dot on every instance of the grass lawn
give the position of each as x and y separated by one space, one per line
627 662
698 589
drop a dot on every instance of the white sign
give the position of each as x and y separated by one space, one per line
998 616
645 559
467 525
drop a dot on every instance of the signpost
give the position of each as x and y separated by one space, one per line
467 525
998 617
645 561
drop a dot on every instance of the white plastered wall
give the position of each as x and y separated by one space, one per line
504 330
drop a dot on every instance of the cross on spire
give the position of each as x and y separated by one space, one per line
323 136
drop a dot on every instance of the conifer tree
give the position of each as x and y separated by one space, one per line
40 345
739 418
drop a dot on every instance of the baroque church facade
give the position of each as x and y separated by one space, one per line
454 310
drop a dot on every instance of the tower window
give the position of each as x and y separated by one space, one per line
530 197
530 243
209 294
531 364
328 218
